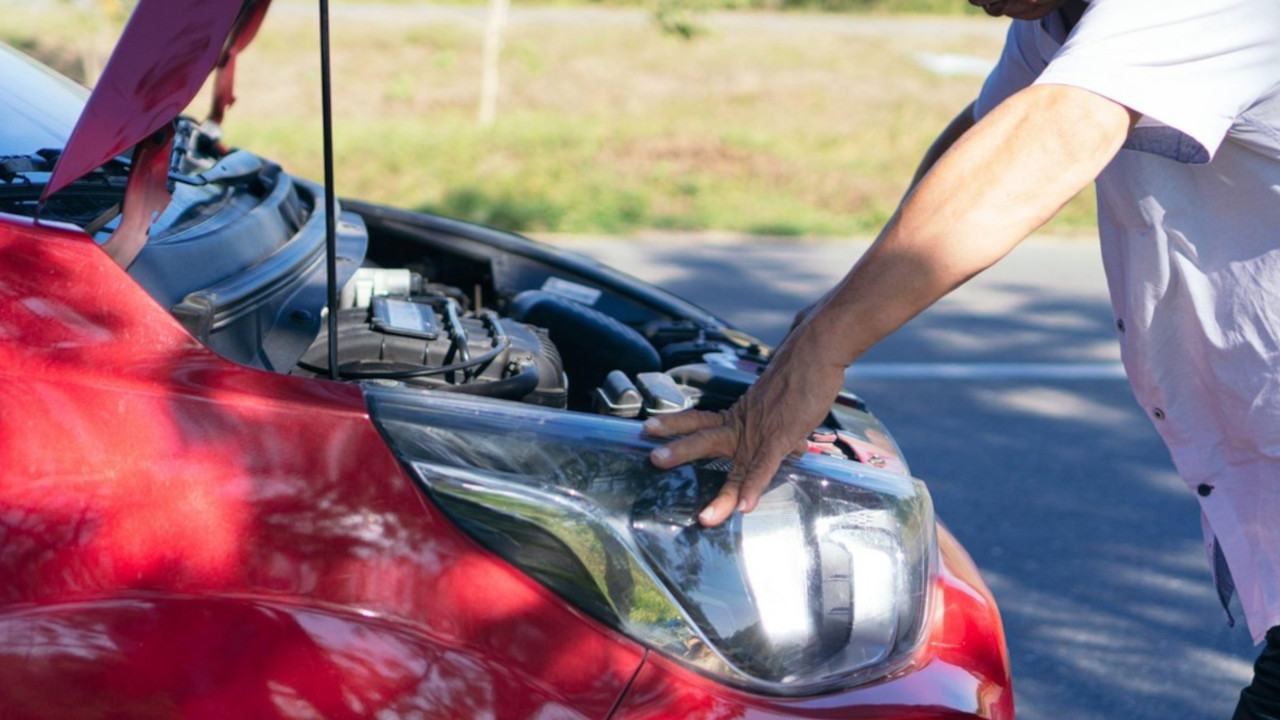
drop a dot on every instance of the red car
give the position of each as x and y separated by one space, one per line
198 520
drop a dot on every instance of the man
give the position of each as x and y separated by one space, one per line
1173 106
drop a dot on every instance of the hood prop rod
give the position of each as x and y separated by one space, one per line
330 201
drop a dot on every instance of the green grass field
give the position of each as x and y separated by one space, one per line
603 127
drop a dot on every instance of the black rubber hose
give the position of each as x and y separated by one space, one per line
591 343
509 388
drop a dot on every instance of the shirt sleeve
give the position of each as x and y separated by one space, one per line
1022 60
1189 67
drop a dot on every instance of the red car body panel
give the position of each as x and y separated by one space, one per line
180 534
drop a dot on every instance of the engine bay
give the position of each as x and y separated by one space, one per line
238 257
546 346
437 304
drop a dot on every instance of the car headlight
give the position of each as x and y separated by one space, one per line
825 585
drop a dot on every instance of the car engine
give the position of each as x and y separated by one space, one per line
393 326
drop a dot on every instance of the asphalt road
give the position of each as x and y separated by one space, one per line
1006 399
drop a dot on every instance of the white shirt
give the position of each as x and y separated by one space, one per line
1189 216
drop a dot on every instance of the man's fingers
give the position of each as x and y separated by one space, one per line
682 423
718 436
719 510
742 489
710 443
756 477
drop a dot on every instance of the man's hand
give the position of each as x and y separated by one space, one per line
773 419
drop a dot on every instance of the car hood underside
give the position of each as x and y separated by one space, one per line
164 56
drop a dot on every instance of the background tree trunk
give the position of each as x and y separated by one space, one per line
498 10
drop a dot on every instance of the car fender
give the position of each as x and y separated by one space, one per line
155 498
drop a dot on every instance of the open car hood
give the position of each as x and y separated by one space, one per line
166 52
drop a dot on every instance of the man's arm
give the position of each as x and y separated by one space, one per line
948 137
998 182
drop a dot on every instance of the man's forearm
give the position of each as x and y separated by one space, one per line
999 182
958 126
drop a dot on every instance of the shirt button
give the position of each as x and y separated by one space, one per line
1120 324
1203 489
1157 413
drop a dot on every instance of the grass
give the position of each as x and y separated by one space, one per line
876 7
607 127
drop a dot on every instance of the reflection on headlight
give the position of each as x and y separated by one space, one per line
875 615
777 567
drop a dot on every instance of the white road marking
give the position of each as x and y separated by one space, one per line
986 371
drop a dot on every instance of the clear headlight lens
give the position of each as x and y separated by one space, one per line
825 585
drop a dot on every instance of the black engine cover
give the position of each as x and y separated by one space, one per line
528 369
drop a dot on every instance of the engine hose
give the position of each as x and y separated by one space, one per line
509 388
